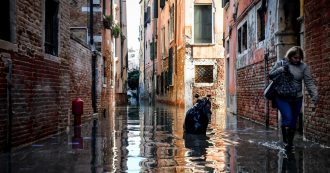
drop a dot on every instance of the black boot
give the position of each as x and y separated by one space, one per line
290 133
285 135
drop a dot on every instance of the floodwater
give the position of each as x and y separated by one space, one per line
151 139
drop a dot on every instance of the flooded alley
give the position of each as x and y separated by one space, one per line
151 139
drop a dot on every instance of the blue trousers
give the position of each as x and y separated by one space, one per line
290 110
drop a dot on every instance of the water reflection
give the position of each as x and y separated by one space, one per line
156 143
151 139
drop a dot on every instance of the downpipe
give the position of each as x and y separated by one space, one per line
266 56
9 70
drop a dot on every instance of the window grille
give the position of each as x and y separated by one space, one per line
204 73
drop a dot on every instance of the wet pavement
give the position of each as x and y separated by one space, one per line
151 139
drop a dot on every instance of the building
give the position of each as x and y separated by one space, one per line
120 52
133 59
52 52
259 32
36 66
183 52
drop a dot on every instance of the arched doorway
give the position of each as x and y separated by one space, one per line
289 32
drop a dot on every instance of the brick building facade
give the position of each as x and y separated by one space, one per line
35 99
317 55
43 69
259 32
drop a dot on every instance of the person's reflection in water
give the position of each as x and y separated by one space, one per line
197 144
289 163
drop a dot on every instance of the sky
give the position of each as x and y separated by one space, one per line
133 21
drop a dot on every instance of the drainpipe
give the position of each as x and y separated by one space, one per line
154 40
266 82
91 24
176 50
144 54
121 42
153 68
9 69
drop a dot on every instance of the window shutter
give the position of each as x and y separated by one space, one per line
156 9
145 19
151 50
170 66
162 4
148 14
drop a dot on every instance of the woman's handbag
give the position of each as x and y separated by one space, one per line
270 92
282 86
285 86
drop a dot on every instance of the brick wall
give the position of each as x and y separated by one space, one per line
317 55
250 99
80 75
42 85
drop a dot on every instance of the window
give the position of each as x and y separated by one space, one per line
260 24
204 73
170 67
203 24
162 4
227 47
51 27
163 42
171 24
96 2
242 38
156 9
104 68
224 3
5 20
152 50
147 17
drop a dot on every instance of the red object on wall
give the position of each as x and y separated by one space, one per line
77 111
77 106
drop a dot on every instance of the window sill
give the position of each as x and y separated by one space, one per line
260 44
9 46
203 84
203 44
242 53
52 58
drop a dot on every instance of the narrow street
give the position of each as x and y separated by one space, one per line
151 139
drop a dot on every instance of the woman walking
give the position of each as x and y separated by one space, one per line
290 106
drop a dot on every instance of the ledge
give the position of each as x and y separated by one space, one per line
52 58
9 46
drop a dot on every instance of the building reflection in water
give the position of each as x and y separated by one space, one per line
151 139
